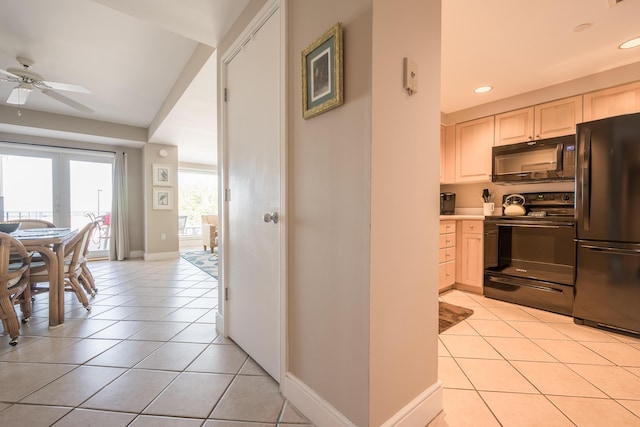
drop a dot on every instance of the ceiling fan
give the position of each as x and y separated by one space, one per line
27 80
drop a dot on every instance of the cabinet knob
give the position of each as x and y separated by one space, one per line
448 274
447 255
478 238
471 226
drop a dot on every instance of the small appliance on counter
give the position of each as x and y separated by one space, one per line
447 203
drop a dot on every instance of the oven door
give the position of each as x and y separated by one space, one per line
531 249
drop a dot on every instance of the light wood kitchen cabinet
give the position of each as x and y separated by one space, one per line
611 102
447 273
514 126
447 154
557 118
548 120
474 140
469 259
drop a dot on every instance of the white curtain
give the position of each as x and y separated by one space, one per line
119 241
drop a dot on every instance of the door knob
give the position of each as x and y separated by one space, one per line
271 217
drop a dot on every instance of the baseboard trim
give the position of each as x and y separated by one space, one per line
314 407
421 410
159 256
136 254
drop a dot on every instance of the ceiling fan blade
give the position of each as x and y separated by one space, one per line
12 77
69 87
70 102
18 96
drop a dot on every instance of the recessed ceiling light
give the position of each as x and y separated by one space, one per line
483 89
630 43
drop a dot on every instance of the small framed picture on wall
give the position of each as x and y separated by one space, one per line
162 175
162 198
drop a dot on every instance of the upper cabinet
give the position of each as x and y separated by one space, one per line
549 120
474 140
612 102
514 126
447 154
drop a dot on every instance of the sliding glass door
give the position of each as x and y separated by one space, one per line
63 186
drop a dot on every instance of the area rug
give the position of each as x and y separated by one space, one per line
204 260
450 315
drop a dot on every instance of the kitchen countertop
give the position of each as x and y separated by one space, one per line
459 216
465 213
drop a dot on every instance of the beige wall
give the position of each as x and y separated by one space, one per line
329 211
404 222
159 222
363 238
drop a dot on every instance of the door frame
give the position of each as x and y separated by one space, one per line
271 7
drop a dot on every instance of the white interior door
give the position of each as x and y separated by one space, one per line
252 251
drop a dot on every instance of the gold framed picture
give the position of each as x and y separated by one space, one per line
322 80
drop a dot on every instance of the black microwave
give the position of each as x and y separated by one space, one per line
545 160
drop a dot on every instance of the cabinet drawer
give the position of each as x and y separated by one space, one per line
447 240
446 276
447 226
447 254
470 226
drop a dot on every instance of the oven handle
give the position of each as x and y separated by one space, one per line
512 282
620 251
530 225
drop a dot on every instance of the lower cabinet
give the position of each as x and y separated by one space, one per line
461 255
447 273
470 244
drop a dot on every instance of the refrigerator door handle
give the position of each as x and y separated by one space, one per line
586 179
615 250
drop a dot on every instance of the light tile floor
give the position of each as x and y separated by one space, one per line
509 365
147 354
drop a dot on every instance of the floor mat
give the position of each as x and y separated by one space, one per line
451 315
204 260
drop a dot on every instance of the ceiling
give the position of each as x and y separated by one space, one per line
150 64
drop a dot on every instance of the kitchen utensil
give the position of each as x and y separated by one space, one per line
514 205
486 196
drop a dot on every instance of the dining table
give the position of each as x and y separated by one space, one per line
49 243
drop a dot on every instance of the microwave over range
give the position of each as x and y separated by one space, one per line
545 160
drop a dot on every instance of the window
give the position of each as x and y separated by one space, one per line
198 195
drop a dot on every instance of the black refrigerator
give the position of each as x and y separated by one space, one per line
607 289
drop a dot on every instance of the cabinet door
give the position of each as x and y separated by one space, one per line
474 140
611 102
514 126
443 151
447 154
470 262
558 118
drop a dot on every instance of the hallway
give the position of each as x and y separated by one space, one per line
147 354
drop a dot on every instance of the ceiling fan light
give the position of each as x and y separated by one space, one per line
483 89
630 43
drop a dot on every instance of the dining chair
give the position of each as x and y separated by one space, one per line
14 285
85 277
39 272
210 231
26 224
